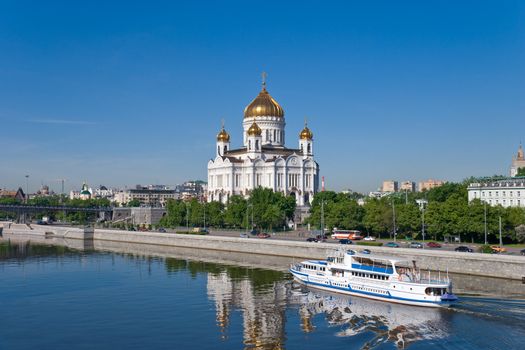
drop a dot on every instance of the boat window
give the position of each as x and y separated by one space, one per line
435 291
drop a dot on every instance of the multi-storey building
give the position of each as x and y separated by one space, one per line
409 186
430 184
507 192
389 186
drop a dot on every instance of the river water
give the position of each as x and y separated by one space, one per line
53 297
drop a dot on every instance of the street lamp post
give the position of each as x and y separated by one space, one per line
322 218
187 218
485 217
394 219
422 203
27 189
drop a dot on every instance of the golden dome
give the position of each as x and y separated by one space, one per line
263 105
306 134
223 136
254 130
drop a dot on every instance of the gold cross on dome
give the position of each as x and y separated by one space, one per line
222 123
264 75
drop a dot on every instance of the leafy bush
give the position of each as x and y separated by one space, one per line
485 249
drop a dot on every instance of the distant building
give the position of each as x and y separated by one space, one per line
104 192
147 196
409 186
507 192
84 193
18 195
138 216
430 184
44 191
518 161
192 190
378 194
390 186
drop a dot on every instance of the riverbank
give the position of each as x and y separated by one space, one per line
485 265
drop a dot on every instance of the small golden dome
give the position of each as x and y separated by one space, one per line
306 134
263 105
223 136
254 130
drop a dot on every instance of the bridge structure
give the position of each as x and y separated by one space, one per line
22 210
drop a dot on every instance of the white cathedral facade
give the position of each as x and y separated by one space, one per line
263 160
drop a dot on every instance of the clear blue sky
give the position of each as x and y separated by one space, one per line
120 93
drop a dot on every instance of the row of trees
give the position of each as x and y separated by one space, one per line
448 213
264 209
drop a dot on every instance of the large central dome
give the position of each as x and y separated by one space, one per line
263 106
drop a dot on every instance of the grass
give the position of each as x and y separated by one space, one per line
372 244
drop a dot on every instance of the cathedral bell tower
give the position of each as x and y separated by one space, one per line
254 140
223 142
306 141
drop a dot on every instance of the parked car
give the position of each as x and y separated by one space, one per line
415 245
463 248
433 245
321 237
345 241
244 235
522 252
132 229
263 235
366 251
312 239
163 230
497 249
254 232
392 245
369 238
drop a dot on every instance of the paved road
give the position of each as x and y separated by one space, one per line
302 236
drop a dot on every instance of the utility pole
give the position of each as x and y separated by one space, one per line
500 239
27 189
187 218
204 205
322 218
485 216
394 218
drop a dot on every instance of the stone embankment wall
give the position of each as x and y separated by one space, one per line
501 266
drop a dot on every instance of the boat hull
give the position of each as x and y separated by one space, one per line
303 279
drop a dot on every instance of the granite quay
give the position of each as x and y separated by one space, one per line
487 265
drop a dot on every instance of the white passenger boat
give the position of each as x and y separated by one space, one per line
376 277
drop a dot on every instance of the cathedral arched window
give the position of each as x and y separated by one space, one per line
309 148
218 149
249 145
301 148
225 149
274 134
256 145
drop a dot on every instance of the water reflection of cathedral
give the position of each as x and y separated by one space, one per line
263 313
263 309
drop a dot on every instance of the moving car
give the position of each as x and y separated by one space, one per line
162 230
345 241
497 249
522 252
244 235
312 239
254 232
369 238
463 248
392 245
263 235
366 251
433 245
415 245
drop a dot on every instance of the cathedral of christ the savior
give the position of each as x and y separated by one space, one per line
263 160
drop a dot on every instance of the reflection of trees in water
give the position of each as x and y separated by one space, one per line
24 250
400 324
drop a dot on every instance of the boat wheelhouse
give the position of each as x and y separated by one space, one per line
376 277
